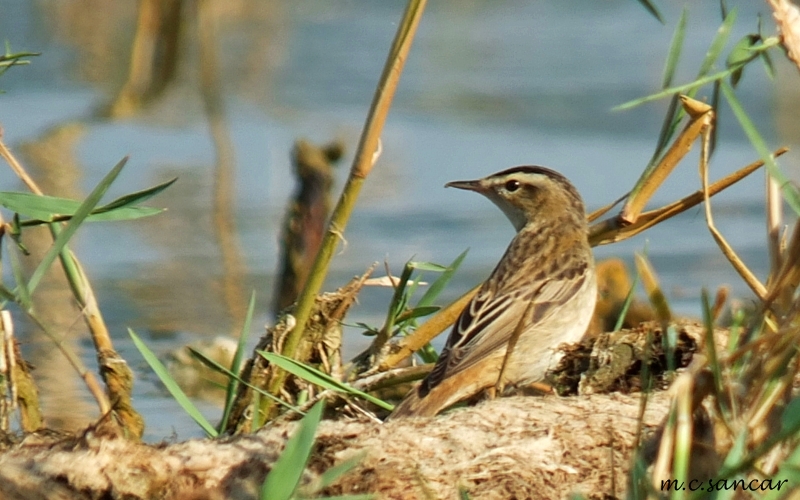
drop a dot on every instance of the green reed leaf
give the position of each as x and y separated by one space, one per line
627 304
427 266
172 386
742 54
137 197
333 474
718 43
23 294
675 48
46 209
236 363
437 286
319 378
711 348
678 89
213 365
283 479
74 223
418 312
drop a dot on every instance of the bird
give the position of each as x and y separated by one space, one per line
541 294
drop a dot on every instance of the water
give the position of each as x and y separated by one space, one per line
488 85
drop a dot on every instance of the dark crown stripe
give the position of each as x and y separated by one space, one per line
547 172
531 169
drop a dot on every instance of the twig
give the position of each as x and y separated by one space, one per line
730 254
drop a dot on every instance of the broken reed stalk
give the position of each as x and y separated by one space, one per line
705 116
611 231
363 162
114 370
651 180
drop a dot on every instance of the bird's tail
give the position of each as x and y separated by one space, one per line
410 406
451 390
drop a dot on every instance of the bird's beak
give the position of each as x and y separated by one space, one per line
468 185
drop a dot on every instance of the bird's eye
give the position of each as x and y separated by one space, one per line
512 185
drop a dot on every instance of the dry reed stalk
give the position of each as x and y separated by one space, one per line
116 374
366 155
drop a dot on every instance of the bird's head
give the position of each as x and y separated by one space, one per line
528 194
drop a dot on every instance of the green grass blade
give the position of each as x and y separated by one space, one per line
72 226
334 473
427 266
769 67
711 347
441 282
137 197
678 89
718 43
321 379
210 363
627 304
737 454
123 214
282 480
45 209
412 289
236 364
428 354
689 88
39 207
787 188
789 471
712 141
418 312
790 419
675 48
672 117
177 393
399 301
7 295
256 421
23 294
742 52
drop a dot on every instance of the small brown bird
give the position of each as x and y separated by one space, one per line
541 294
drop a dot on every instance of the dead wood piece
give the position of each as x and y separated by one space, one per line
92 466
319 348
306 217
613 361
22 388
